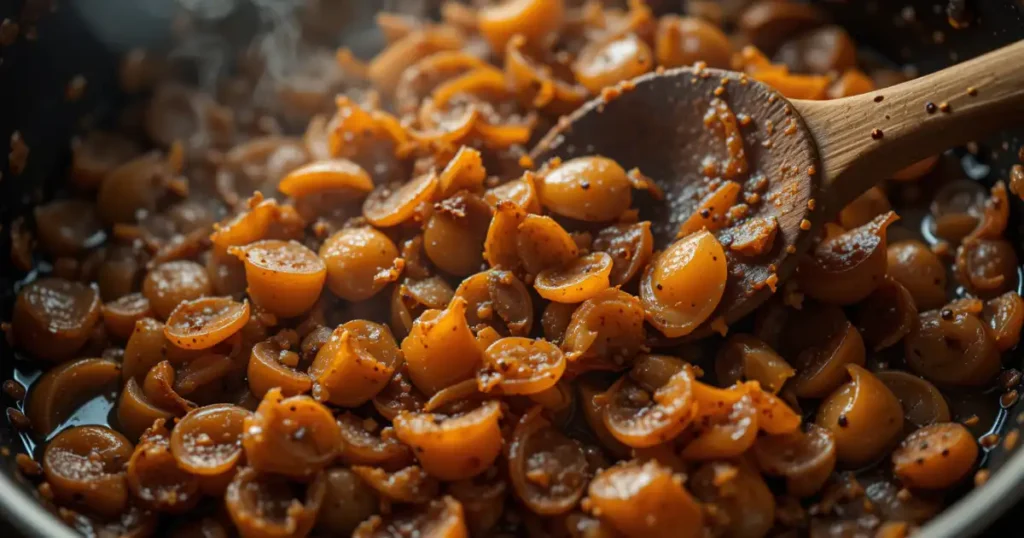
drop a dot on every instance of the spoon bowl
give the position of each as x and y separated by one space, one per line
656 123
797 162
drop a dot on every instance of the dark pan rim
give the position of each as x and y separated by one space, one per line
972 514
27 514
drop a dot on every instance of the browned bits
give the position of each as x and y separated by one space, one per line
945 107
989 440
972 91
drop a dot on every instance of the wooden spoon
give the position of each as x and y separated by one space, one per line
816 156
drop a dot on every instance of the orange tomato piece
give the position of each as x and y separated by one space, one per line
683 285
387 206
326 175
457 447
517 365
582 279
284 278
206 322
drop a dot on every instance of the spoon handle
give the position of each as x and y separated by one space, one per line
866 138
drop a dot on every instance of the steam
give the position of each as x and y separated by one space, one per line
279 45
207 44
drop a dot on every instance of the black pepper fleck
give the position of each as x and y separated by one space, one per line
930 107
877 134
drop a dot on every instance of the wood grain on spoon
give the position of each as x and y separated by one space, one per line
806 159
866 138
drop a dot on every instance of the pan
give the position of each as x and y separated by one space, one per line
58 42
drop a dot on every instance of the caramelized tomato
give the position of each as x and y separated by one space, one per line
208 440
284 277
594 189
294 437
648 408
645 500
355 364
683 285
936 456
360 262
804 459
269 506
53 317
517 365
204 323
548 470
952 348
456 447
574 283
864 416
84 466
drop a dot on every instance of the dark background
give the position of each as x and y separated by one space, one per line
59 39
